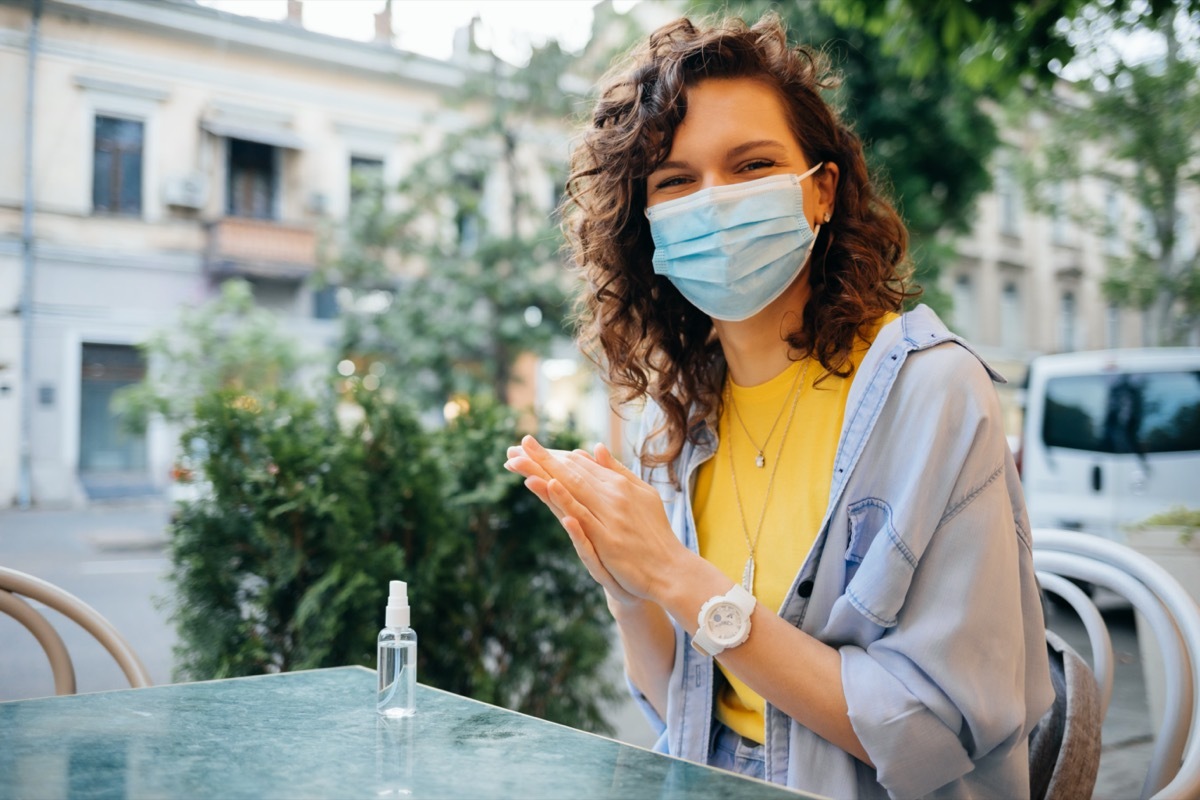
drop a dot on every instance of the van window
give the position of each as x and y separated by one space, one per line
1141 412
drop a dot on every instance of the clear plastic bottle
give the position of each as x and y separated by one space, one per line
397 662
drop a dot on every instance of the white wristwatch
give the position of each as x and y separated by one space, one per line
724 621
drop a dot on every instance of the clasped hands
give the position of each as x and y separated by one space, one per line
615 520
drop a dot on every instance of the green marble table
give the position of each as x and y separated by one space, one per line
316 734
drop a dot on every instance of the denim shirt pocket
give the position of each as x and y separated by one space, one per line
879 565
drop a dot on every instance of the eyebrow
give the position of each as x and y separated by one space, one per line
733 152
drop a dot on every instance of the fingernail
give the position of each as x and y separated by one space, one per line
530 443
508 466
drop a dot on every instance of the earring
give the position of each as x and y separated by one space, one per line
828 216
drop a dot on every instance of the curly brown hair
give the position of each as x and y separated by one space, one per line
648 340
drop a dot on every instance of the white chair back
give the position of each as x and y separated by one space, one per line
1171 614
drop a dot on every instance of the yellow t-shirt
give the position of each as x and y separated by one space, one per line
798 497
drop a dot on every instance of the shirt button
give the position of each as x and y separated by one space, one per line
805 588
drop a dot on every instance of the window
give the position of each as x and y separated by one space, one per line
1012 318
366 175
1008 194
253 178
117 166
1112 221
105 445
1147 233
1113 328
1147 412
1185 236
964 306
1067 322
468 216
1060 231
325 303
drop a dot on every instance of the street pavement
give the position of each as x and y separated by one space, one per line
111 556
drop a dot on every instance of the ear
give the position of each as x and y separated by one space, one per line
827 182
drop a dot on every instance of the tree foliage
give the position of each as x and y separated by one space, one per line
992 44
229 343
927 137
1143 117
469 250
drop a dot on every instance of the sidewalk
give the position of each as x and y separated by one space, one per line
111 556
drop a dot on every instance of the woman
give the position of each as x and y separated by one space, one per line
824 505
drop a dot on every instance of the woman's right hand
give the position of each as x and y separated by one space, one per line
538 481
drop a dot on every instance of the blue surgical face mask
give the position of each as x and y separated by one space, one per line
732 250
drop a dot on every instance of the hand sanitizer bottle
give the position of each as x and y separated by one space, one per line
397 664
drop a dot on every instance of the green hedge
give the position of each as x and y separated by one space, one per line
283 562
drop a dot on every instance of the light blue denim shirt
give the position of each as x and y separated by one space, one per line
921 576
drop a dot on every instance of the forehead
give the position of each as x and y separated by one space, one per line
727 109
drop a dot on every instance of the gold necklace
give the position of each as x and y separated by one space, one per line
752 545
760 460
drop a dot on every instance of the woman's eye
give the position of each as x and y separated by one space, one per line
758 163
666 183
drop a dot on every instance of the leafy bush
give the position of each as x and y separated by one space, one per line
1188 519
284 563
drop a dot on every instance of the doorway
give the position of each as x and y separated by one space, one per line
112 460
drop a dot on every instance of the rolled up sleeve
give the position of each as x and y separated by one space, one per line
944 685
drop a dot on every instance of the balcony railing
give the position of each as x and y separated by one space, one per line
260 248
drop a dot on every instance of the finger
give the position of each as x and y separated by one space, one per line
516 450
590 558
565 468
605 458
523 465
587 466
541 490
560 493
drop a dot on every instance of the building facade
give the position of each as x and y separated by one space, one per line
174 147
1028 280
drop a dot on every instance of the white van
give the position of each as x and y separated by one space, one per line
1111 437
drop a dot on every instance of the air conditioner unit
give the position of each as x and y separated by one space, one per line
187 191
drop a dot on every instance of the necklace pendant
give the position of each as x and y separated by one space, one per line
760 461
748 575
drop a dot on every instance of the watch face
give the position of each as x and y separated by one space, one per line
725 623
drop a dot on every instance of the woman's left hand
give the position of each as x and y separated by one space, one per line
618 513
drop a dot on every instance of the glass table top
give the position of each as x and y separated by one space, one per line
316 734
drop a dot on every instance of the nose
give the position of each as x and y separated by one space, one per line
713 178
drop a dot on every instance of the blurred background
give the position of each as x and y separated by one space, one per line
237 235
335 157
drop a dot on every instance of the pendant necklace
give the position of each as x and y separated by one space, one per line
752 544
760 460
